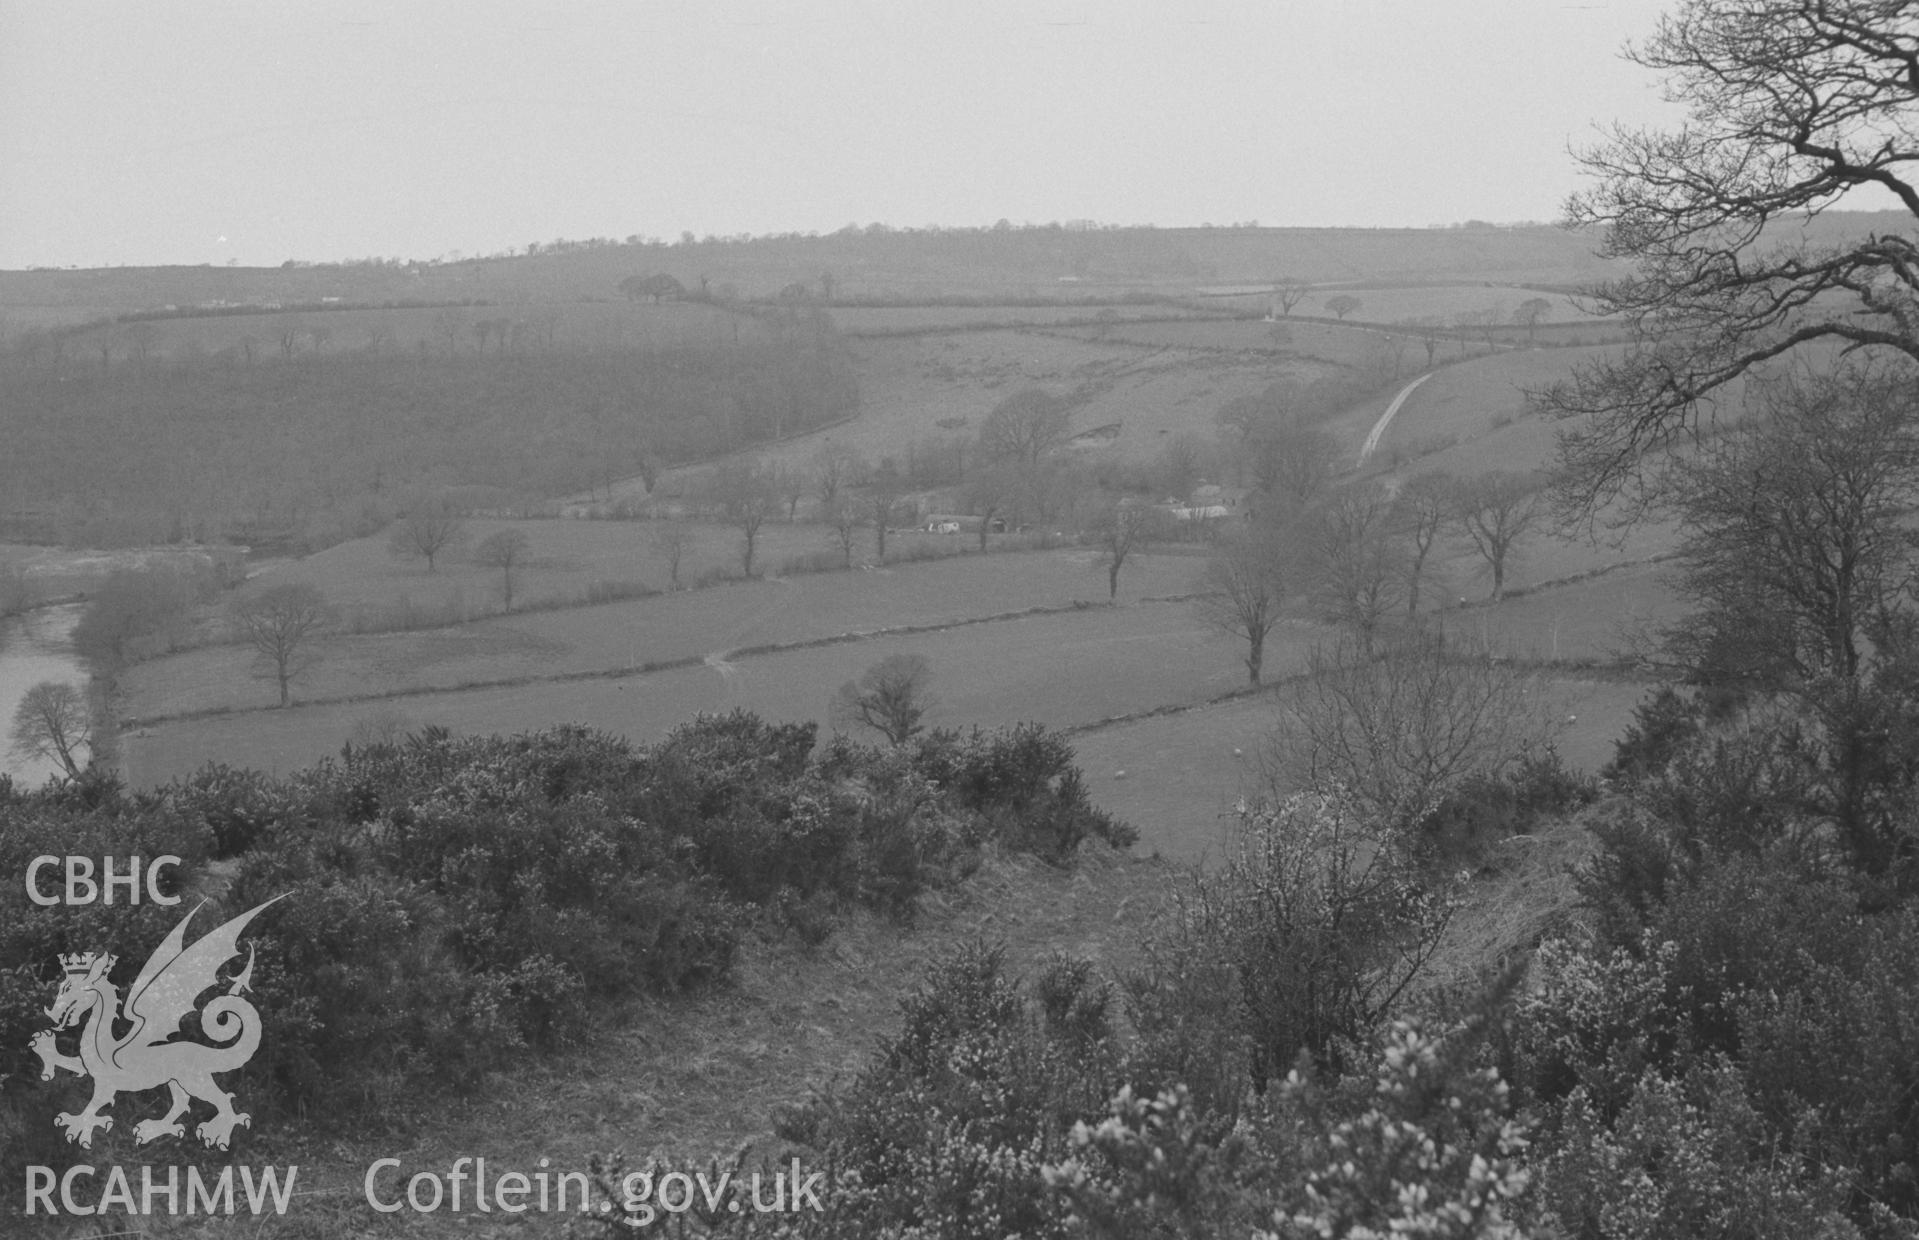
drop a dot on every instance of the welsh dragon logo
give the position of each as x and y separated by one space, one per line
170 982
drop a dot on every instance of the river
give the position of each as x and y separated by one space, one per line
34 646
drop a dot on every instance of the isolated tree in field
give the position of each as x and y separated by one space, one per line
1024 426
658 286
844 515
890 698
1401 726
1421 512
672 539
747 495
53 721
1116 529
283 625
883 491
1342 305
428 528
1495 511
505 550
1354 562
1289 291
1792 106
1796 547
1243 584
1530 313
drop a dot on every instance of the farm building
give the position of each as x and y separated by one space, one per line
959 523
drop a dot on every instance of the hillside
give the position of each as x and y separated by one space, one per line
1049 262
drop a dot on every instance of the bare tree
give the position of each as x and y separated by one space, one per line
990 493
378 334
1422 509
290 332
1244 583
883 491
1355 563
1116 529
1343 305
1797 549
844 516
428 527
1790 108
1024 426
1289 291
1430 332
833 468
748 496
1495 510
1321 919
672 539
449 323
1400 727
140 337
791 485
281 624
890 697
53 721
505 550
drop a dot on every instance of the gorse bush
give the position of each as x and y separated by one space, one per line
998 1109
447 903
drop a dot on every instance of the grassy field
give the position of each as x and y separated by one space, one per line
568 556
894 320
1443 302
1061 669
684 625
1176 776
1595 619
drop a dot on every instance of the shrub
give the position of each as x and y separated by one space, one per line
1322 922
1486 808
1684 1159
949 1125
1663 724
1023 785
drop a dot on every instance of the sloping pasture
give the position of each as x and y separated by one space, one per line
1061 669
661 629
1176 776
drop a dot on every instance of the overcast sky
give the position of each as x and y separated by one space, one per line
189 131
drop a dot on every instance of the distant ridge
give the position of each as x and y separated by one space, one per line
876 264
